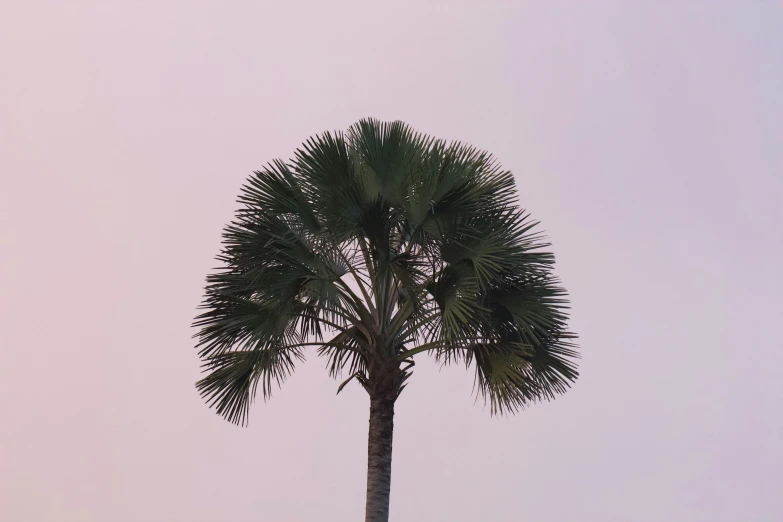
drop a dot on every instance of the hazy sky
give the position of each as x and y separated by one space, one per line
647 136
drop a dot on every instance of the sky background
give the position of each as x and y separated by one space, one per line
647 136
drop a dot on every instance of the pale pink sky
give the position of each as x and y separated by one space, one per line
646 135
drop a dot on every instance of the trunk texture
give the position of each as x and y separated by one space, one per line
379 457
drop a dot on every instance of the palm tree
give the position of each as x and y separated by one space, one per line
371 247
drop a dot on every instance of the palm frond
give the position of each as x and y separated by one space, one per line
233 378
345 351
510 376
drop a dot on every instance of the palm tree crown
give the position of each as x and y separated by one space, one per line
370 247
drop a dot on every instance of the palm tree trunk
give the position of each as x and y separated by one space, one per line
379 458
